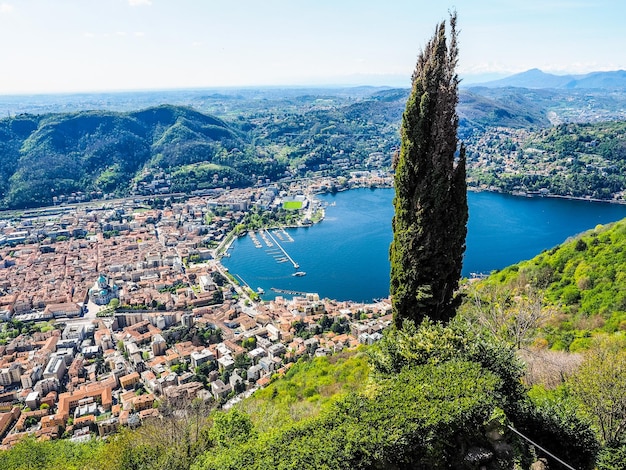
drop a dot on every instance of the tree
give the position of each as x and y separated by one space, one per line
600 386
514 319
430 221
234 427
242 361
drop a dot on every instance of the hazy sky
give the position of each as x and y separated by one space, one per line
90 45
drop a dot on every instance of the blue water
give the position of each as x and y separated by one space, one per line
346 256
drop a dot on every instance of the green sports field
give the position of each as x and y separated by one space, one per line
292 205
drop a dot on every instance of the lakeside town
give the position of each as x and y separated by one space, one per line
110 308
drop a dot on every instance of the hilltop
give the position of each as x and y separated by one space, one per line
44 156
238 138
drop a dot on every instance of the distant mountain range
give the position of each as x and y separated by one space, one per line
535 78
236 137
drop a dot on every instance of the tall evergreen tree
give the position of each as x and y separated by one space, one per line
430 221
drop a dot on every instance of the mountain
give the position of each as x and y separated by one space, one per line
241 136
535 78
600 80
44 156
509 108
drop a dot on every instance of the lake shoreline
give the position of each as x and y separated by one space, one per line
347 256
546 196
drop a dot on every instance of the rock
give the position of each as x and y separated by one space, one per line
541 464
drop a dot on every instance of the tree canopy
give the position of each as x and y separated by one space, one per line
430 221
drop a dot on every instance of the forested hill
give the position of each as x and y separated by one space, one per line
579 160
236 138
46 155
582 284
261 137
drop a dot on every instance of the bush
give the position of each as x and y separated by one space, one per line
611 458
552 421
413 420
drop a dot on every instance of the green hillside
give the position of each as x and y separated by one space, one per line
432 397
269 135
582 283
513 109
94 152
97 151
580 160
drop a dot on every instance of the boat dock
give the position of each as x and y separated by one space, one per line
295 265
286 291
255 240
264 235
282 235
286 235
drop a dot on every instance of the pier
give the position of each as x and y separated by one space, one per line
245 284
264 235
295 265
255 240
286 291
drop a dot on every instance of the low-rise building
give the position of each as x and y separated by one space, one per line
129 381
55 368
69 309
220 390
200 357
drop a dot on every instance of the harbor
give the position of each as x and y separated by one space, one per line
288 291
275 249
267 235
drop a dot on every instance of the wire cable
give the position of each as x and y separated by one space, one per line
538 446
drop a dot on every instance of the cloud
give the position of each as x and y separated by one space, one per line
139 34
139 3
6 8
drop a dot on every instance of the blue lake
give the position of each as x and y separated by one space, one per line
346 256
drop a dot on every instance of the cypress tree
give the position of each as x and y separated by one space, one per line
430 221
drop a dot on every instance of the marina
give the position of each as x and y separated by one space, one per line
255 240
346 257
285 234
264 235
280 247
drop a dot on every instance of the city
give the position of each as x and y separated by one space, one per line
110 309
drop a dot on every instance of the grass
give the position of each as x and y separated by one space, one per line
307 388
292 205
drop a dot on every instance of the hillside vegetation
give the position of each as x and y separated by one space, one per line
265 134
581 285
48 155
428 397
579 160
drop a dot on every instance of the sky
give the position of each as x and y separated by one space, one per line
107 45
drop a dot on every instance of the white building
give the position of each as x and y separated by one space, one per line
102 292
